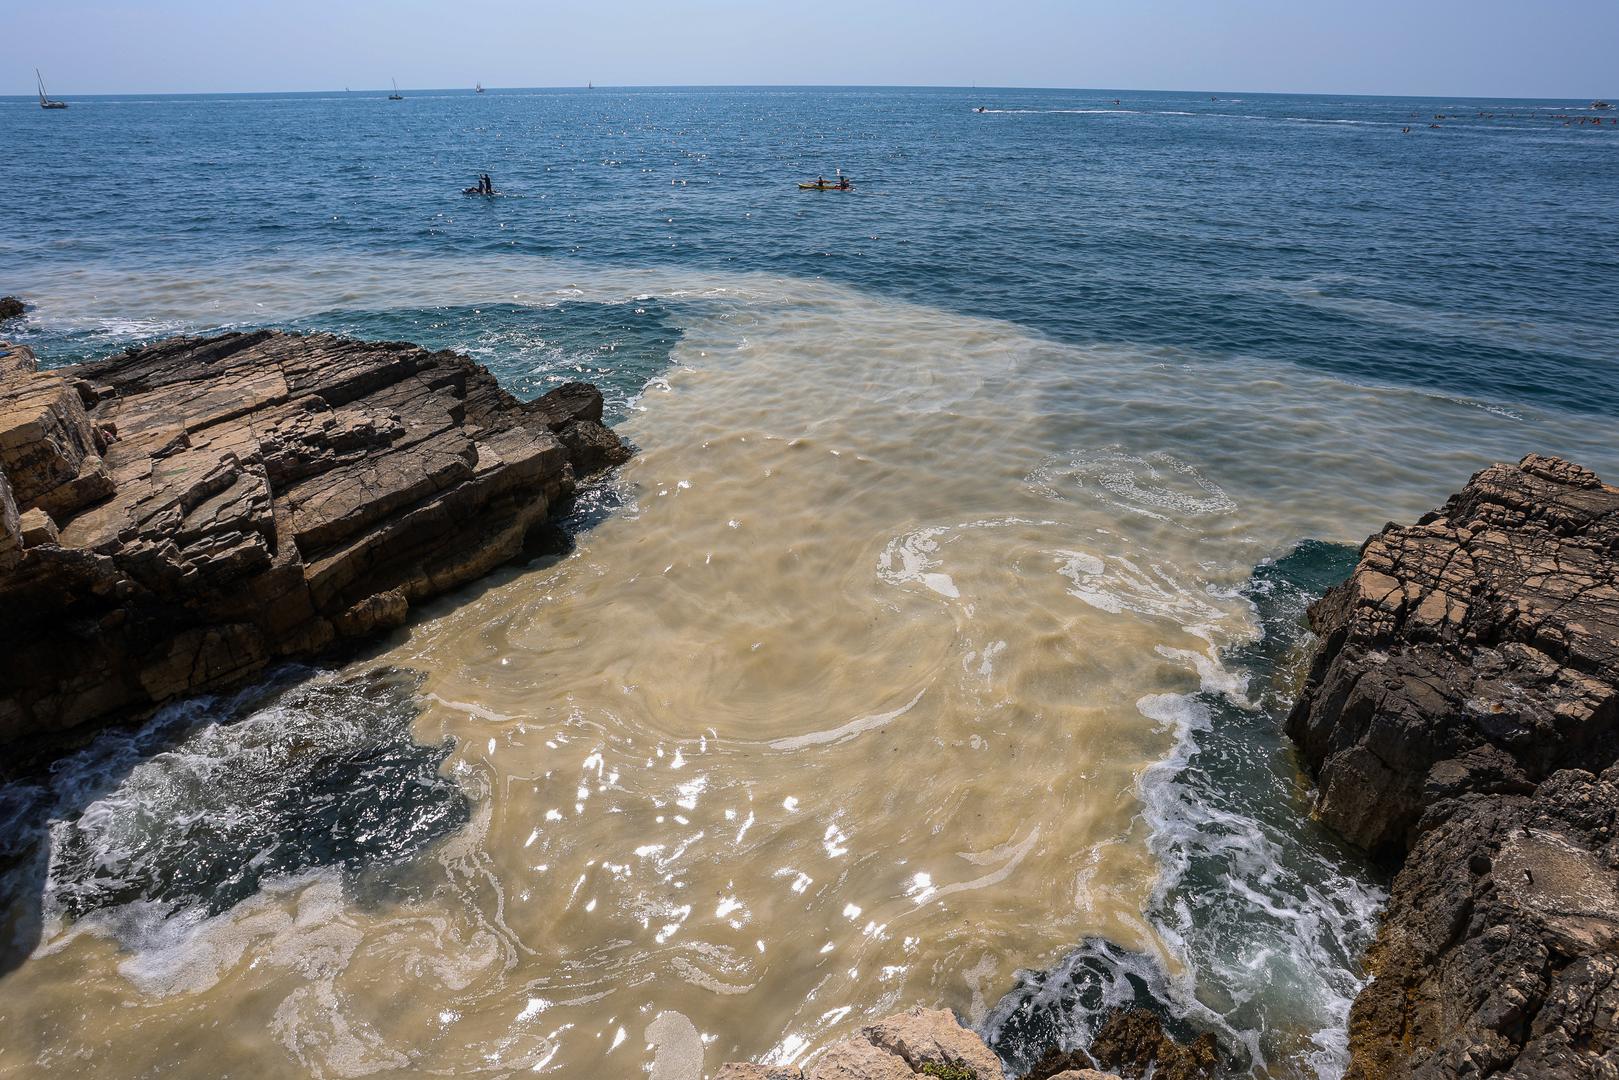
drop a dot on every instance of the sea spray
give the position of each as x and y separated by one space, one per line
1263 914
196 810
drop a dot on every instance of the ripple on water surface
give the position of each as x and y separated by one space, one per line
917 650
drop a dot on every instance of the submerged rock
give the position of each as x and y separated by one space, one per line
10 308
1462 712
223 503
1134 1042
921 1042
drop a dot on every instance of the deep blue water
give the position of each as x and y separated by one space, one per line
1475 258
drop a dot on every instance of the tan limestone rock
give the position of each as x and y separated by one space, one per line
744 1071
37 528
932 1036
919 1042
48 447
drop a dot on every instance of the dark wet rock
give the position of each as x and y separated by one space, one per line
1461 714
567 403
1133 1043
223 503
10 308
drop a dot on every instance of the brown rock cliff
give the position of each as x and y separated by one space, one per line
175 518
1460 715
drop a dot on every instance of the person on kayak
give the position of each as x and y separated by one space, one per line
486 186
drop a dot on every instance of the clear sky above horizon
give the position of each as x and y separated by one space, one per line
1483 48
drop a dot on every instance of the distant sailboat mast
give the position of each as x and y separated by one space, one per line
45 101
478 89
396 95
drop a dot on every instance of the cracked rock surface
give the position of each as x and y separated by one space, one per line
1462 715
177 517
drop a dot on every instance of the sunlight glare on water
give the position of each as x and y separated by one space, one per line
846 706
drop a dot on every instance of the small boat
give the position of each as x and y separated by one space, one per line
45 101
478 89
826 187
1600 105
396 95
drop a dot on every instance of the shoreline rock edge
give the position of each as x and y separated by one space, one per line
175 518
1461 718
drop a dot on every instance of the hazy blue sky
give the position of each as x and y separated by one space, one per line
1530 48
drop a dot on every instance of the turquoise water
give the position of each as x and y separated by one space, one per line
1216 342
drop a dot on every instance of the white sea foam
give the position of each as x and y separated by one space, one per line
846 731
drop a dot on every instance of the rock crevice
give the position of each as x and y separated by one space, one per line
175 518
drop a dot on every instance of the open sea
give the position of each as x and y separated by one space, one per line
933 650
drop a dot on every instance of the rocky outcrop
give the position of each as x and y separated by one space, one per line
10 308
1498 954
921 1042
1460 715
175 518
1477 650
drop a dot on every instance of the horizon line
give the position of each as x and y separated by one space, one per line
31 95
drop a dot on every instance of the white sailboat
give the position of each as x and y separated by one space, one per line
478 89
396 95
45 101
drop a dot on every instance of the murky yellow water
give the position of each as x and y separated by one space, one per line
838 715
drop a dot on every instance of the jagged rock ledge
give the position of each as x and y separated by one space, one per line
1462 714
176 518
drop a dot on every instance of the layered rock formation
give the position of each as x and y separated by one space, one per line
1462 714
176 518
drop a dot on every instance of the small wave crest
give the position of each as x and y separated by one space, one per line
1263 915
149 834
